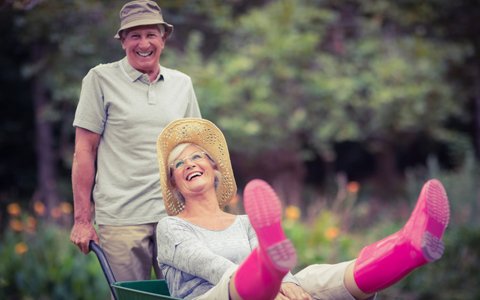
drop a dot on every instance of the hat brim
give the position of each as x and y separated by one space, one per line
205 134
142 22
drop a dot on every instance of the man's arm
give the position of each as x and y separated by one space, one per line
83 177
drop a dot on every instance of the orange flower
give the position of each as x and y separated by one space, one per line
31 224
331 233
56 213
353 187
39 208
66 208
292 213
16 225
21 248
14 209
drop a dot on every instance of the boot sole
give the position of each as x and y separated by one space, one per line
265 213
438 210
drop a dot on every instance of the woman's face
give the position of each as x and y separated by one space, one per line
193 172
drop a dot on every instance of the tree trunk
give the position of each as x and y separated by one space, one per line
286 172
387 178
281 168
476 116
46 190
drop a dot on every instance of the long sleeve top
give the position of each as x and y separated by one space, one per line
193 259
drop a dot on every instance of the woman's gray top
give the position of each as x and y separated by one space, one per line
193 259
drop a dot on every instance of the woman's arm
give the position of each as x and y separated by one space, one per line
182 249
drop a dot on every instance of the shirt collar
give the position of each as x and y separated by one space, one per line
134 75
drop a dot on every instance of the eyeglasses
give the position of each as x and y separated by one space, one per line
194 157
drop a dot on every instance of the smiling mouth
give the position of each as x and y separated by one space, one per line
193 175
144 54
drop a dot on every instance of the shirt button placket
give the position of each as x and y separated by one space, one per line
151 95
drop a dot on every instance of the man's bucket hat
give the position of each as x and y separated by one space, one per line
142 12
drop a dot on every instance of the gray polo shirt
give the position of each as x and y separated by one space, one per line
129 112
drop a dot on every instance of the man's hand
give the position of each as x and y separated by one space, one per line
82 234
291 291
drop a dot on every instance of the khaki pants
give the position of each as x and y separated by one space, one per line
321 281
220 290
324 281
131 250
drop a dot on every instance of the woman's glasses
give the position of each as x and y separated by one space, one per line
194 157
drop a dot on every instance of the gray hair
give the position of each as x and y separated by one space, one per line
161 28
174 154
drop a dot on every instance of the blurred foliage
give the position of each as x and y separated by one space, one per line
37 262
302 75
293 80
64 45
461 185
454 276
326 238
321 241
296 84
308 78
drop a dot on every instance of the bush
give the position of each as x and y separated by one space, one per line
454 276
326 239
321 241
37 261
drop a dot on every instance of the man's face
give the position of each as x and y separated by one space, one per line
143 46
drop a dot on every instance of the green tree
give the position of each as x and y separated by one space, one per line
294 73
286 80
61 46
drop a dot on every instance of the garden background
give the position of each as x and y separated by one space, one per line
346 107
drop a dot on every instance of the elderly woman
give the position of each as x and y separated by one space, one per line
208 253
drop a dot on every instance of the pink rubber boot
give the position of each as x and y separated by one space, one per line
259 277
419 242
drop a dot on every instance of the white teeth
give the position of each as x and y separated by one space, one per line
144 54
189 177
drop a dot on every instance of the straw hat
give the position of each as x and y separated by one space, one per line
206 135
142 12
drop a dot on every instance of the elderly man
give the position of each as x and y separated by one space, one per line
123 107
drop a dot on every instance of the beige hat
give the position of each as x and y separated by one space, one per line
142 12
206 135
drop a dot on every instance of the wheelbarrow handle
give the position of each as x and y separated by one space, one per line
107 271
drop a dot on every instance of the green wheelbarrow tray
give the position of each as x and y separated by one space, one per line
131 290
142 290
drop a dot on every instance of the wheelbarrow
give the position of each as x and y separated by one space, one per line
131 290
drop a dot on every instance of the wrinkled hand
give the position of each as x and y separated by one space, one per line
291 291
82 234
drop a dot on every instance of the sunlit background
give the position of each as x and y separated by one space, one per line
346 107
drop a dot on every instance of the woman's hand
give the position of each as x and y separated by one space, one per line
291 291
